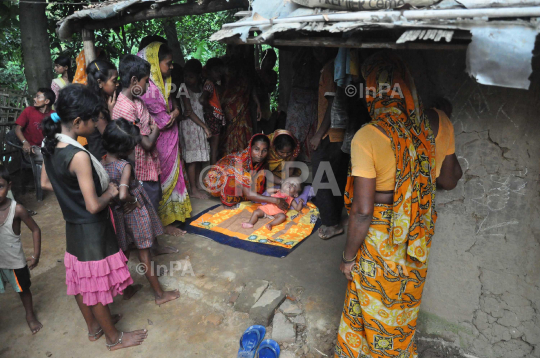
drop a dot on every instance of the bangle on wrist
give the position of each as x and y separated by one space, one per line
348 261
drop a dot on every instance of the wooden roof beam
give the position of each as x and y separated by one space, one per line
162 12
340 42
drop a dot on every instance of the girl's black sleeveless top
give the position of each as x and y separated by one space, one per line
89 237
67 189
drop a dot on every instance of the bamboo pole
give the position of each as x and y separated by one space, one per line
88 45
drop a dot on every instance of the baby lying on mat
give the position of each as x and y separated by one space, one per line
289 190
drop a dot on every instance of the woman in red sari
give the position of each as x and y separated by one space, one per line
241 176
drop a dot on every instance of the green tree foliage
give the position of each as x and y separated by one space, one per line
193 32
11 72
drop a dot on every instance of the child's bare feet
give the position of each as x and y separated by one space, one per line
98 332
167 296
268 226
173 231
128 339
163 250
247 225
34 324
131 290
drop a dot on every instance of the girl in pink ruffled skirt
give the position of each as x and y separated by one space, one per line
96 269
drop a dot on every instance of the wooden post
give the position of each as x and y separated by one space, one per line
88 45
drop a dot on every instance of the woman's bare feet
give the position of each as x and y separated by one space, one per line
328 232
173 230
129 339
131 290
247 225
34 324
98 332
167 296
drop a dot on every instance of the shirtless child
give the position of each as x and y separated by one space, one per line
13 266
289 191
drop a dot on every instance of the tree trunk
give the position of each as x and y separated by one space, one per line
169 25
38 67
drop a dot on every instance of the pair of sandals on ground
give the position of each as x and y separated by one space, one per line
253 344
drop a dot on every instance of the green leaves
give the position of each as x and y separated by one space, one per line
193 32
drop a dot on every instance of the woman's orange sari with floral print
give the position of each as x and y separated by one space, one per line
383 300
233 172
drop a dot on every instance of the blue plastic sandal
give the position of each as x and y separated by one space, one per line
268 349
250 341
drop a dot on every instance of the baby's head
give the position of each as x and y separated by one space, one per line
292 186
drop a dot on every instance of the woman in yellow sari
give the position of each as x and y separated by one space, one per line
175 204
392 216
284 147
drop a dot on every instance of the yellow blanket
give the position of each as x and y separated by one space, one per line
287 235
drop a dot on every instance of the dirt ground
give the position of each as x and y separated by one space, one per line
202 323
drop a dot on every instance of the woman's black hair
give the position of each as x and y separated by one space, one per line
213 63
65 61
120 136
147 40
193 66
282 141
164 51
74 101
132 66
443 104
98 70
261 138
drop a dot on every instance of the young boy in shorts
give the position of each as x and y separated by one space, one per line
14 268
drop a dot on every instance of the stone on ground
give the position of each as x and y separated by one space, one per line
290 309
263 311
283 330
250 294
168 283
299 320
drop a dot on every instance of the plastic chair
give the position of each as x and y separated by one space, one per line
35 161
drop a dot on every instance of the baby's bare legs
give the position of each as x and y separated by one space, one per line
278 219
257 214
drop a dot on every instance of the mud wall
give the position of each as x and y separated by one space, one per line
483 286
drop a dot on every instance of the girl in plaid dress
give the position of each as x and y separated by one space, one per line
136 221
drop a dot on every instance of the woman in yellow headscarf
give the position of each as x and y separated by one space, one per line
392 218
175 204
284 147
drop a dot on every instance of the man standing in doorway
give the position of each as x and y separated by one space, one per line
326 145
